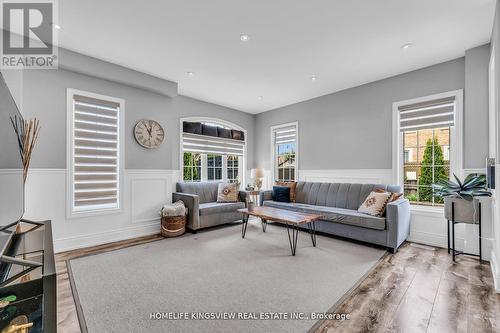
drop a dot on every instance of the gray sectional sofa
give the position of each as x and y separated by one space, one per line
339 203
203 209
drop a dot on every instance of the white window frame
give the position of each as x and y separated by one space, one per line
273 149
214 121
70 117
456 139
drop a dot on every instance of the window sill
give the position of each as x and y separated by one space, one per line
93 213
427 210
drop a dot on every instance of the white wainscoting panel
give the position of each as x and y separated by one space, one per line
149 190
144 192
11 195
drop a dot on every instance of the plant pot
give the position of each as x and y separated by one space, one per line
465 211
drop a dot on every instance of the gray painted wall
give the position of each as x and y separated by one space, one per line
44 96
352 129
83 64
476 106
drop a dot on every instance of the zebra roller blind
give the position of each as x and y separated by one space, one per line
430 114
95 154
197 143
285 134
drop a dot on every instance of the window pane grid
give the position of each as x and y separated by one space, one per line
192 167
426 161
285 161
214 167
232 169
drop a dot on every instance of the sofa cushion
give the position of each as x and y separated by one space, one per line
341 195
207 191
333 214
210 208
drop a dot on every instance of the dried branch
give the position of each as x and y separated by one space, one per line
27 134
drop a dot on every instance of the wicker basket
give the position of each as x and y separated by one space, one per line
173 226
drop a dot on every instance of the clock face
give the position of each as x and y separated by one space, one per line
149 133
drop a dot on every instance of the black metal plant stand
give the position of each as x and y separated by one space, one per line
453 223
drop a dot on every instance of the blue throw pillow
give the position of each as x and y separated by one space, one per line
281 193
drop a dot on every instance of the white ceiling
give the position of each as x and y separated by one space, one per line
344 43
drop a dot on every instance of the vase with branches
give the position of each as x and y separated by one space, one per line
27 134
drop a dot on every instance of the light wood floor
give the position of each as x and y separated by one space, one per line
418 289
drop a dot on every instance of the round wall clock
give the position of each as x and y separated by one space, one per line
149 133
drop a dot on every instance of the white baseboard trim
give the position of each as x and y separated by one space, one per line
433 239
82 241
495 271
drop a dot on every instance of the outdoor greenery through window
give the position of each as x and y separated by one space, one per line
426 160
192 167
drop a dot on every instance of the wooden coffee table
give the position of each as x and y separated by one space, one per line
291 219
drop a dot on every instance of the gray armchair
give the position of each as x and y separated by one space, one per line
203 209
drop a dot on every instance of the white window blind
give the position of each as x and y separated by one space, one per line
429 114
197 143
285 134
95 154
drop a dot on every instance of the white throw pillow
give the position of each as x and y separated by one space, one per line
375 203
174 209
227 192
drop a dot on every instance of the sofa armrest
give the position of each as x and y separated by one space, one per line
243 197
192 202
398 222
265 195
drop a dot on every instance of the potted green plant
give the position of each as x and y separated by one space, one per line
463 196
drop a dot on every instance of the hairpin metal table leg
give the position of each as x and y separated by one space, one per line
292 239
312 231
264 224
244 225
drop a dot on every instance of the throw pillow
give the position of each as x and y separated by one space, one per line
281 193
375 203
227 192
292 186
394 196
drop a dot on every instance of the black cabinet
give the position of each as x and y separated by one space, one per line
28 276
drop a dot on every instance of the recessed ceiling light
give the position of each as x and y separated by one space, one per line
244 37
190 73
57 26
313 78
406 46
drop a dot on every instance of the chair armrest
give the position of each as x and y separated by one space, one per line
398 222
265 195
192 202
